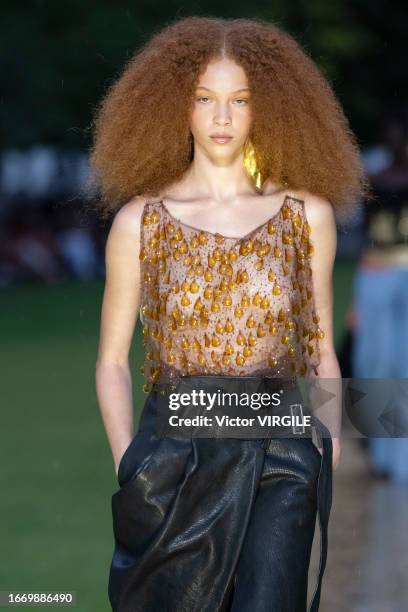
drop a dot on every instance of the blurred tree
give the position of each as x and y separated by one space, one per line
58 57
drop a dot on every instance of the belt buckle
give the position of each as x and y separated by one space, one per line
295 410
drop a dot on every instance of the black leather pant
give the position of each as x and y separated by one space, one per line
214 525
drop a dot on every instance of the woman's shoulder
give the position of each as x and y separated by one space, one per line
128 232
129 217
319 215
317 209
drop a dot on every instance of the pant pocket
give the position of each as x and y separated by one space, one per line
141 505
137 456
313 449
142 445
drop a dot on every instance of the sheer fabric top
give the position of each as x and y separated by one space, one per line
212 304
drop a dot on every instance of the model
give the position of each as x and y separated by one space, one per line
221 152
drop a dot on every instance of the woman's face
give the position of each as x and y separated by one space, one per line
221 106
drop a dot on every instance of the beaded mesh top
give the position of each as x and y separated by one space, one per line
212 304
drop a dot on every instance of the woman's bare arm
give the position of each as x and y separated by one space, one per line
120 309
321 218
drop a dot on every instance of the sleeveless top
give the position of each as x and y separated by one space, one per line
212 304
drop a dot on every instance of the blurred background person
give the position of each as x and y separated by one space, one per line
380 313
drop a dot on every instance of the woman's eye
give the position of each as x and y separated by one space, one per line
241 100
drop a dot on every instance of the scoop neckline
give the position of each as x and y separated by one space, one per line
215 234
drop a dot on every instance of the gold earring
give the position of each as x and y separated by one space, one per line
251 167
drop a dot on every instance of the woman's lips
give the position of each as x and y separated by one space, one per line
221 140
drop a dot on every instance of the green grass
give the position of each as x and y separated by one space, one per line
57 473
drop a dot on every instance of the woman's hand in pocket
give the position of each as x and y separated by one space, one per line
117 457
336 452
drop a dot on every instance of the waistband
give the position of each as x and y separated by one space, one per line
292 402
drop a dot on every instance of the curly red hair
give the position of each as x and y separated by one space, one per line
142 141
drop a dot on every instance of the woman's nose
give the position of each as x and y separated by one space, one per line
222 115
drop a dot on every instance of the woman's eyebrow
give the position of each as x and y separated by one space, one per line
237 91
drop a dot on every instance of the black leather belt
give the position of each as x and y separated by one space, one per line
292 403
